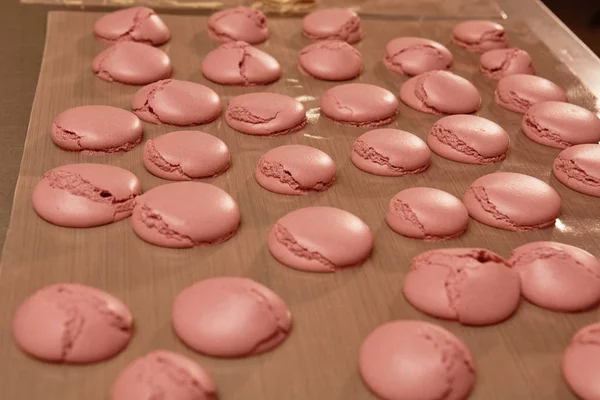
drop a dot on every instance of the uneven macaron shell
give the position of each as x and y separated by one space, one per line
295 169
519 92
496 64
580 362
332 23
186 155
302 239
175 376
330 60
479 36
230 317
138 24
408 360
239 23
132 63
72 323
578 167
415 55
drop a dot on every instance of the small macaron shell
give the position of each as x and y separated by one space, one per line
581 362
427 213
230 317
175 102
132 63
185 214
240 23
295 170
137 24
578 168
390 152
320 239
414 55
496 64
560 125
479 36
409 360
468 139
440 92
85 195
520 92
174 376
186 155
360 104
330 60
265 114
332 23
238 63
96 129
557 276
512 201
471 286
72 323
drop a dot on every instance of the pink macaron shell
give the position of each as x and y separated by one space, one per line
185 214
520 92
332 23
578 167
330 60
132 63
479 36
408 360
512 201
390 152
427 213
496 64
320 239
72 323
186 155
468 139
239 23
230 317
580 362
295 170
414 55
138 24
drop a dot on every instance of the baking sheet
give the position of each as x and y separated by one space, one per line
518 359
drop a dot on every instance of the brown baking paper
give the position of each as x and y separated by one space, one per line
332 313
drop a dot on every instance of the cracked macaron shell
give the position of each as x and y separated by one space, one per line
496 64
320 239
85 195
132 63
332 23
186 155
415 55
580 362
165 374
479 36
468 139
239 23
295 170
578 167
427 213
520 92
330 60
408 360
175 102
512 201
72 323
469 285
230 317
137 24
390 152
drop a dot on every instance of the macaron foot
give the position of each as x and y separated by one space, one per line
286 239
370 154
531 123
276 170
146 109
446 137
404 210
157 159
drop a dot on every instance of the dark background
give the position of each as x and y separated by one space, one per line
582 17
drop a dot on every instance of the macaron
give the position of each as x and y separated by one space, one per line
239 23
581 362
479 36
132 63
427 213
557 276
175 102
265 114
320 239
468 139
468 285
578 168
136 24
440 92
186 155
330 60
415 55
240 64
520 92
332 23
295 170
512 201
390 152
359 104
96 130
185 214
230 317
72 323
496 64
560 125
85 195
408 360
174 376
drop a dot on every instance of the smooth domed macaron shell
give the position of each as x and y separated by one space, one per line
578 167
479 36
332 23
580 362
414 55
137 24
239 23
330 60
520 92
496 64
